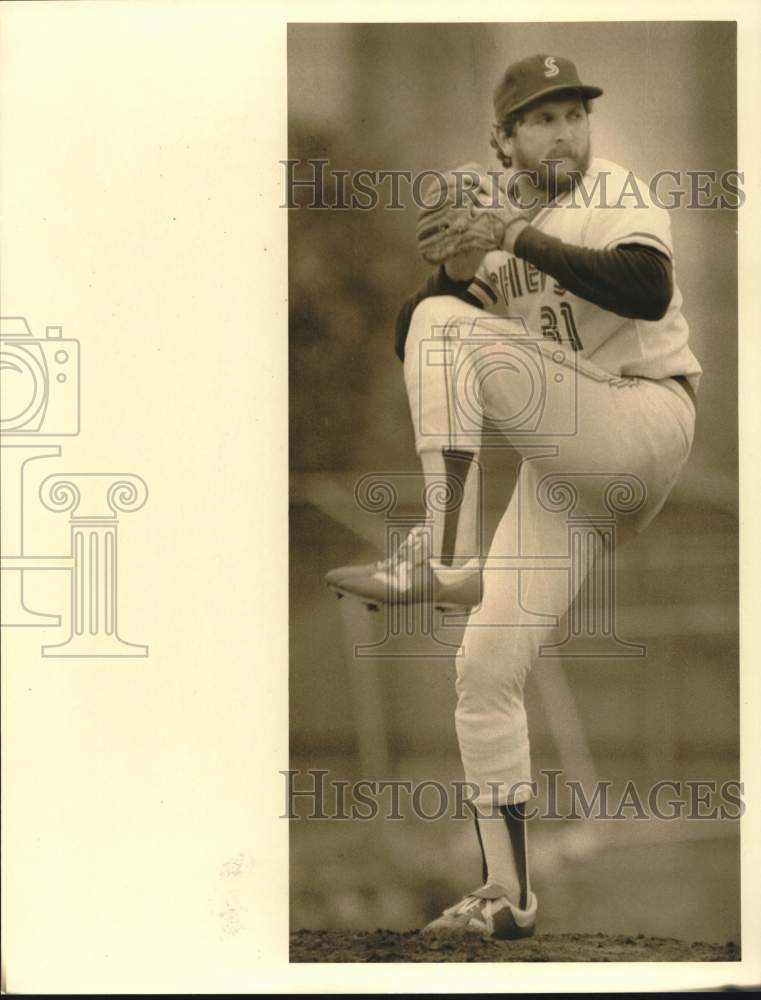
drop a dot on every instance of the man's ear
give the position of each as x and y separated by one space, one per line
504 141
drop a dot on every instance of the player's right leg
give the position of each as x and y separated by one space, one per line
629 443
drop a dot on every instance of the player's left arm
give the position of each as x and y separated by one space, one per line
631 279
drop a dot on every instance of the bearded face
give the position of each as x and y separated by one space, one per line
552 141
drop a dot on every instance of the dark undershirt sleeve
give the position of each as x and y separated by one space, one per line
630 280
437 284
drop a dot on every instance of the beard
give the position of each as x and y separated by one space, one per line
558 172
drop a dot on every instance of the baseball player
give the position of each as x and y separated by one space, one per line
553 316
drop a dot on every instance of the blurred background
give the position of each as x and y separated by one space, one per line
414 97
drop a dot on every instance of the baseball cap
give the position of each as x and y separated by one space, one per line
534 77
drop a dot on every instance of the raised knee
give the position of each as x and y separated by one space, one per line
430 317
436 309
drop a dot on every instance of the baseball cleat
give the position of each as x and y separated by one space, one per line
487 912
341 576
410 577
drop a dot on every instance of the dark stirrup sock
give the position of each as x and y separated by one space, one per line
484 866
456 466
515 819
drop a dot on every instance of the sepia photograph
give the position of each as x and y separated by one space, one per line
380 577
514 702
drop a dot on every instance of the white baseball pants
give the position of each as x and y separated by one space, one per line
594 446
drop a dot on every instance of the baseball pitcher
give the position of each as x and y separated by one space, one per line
553 316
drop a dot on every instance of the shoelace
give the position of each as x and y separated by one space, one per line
466 904
473 908
412 544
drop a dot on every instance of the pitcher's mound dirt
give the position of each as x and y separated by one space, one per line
411 946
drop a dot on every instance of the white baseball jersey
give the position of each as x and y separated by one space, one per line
619 211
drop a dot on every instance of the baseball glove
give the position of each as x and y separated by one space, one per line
466 213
